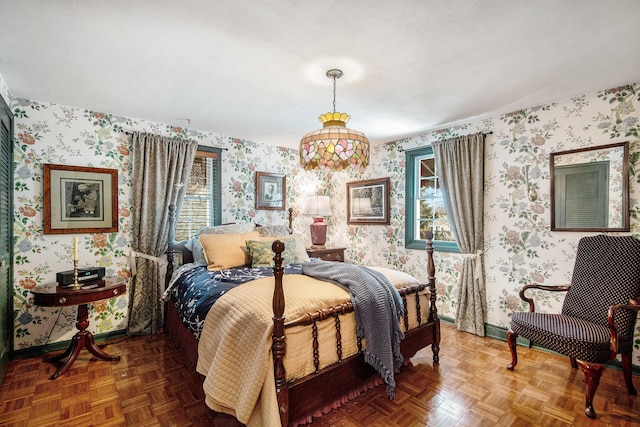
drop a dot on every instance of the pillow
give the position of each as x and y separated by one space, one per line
273 230
224 251
196 249
301 253
243 227
396 277
194 245
262 254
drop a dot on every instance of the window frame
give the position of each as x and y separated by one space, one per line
411 185
216 198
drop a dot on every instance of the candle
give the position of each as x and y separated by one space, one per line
75 248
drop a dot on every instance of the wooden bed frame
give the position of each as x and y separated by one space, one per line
308 396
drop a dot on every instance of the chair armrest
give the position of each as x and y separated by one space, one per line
532 307
633 304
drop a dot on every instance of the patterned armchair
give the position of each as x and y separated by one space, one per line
598 313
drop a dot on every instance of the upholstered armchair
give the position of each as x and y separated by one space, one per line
598 312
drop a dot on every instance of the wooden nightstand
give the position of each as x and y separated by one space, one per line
51 295
327 254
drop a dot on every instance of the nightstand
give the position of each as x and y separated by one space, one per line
327 254
51 295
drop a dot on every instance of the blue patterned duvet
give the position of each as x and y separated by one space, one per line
194 289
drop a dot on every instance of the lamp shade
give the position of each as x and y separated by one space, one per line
334 146
318 206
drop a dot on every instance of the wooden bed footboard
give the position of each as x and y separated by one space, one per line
301 397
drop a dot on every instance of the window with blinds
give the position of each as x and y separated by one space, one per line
201 204
6 236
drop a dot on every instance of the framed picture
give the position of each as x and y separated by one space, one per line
80 199
271 191
368 201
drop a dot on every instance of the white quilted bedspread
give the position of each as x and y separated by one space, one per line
234 353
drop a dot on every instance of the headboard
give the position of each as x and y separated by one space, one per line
180 247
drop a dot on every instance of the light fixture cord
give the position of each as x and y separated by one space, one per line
334 94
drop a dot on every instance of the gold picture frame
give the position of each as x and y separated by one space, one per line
80 199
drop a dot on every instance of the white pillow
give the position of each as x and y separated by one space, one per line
396 277
242 227
273 230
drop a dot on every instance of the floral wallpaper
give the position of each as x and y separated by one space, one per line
50 133
519 246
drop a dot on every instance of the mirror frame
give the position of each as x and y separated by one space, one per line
625 188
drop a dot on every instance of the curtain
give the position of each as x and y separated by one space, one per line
460 167
161 168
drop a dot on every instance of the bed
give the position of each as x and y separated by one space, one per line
297 355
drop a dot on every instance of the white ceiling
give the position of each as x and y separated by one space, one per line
256 69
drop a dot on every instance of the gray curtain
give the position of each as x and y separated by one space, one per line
161 168
460 167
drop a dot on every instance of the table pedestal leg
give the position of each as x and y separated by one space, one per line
81 339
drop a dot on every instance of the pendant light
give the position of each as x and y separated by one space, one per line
334 146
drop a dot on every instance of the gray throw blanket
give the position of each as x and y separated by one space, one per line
377 306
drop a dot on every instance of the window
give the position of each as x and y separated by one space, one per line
201 205
425 205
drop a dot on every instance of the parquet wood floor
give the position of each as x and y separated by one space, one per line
150 386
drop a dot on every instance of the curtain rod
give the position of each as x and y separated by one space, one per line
219 148
402 149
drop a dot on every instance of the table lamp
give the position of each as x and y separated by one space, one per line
318 207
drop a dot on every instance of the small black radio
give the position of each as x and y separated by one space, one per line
65 278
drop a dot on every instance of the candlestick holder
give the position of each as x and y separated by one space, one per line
75 285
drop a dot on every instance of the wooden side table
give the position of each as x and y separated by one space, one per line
51 295
327 254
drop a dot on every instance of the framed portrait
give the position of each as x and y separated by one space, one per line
368 201
271 191
80 199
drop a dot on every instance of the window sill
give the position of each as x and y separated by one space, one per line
439 246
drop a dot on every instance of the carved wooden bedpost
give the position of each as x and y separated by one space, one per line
431 271
291 219
278 346
170 239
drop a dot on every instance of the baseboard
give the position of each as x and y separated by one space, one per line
500 333
491 331
63 345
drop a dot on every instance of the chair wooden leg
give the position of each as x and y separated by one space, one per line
573 362
511 339
592 374
627 372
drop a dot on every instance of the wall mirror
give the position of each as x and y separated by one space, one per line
590 189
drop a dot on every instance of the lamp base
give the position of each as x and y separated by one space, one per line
318 233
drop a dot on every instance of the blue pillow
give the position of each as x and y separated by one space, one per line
196 248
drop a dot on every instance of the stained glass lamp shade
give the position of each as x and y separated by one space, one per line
334 146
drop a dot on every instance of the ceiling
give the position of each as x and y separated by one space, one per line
256 69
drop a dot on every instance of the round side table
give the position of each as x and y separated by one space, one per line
50 295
